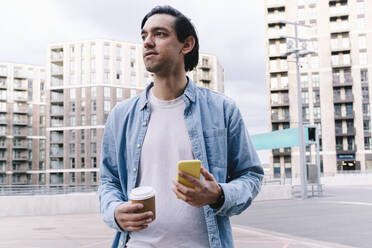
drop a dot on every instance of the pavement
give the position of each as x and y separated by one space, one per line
340 219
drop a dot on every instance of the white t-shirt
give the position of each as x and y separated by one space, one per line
177 223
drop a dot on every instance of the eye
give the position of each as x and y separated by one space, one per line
160 34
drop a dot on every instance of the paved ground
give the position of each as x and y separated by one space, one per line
88 231
341 219
343 216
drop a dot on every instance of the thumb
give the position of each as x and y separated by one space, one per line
207 176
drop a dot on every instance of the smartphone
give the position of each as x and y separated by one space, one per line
190 167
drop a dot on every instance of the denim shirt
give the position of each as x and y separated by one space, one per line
219 139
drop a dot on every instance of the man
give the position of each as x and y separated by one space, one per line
174 120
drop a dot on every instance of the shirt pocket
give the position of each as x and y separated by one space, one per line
216 147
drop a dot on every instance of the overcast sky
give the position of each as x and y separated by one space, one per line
232 30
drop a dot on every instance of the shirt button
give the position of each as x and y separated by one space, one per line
121 243
134 169
138 145
144 123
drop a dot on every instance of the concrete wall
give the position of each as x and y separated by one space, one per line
49 204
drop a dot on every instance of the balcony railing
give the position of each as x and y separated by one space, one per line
20 121
56 56
20 86
20 157
56 82
339 10
57 71
338 99
275 3
19 74
20 110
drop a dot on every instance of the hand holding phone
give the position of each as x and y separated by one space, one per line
190 167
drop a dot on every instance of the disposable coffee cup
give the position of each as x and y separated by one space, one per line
146 196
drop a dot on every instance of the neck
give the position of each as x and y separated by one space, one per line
169 87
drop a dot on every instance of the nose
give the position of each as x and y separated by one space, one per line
148 42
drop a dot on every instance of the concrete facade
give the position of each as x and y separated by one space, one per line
22 124
335 83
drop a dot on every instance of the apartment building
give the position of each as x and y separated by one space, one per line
22 124
335 82
85 80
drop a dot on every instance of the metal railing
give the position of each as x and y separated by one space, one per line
11 190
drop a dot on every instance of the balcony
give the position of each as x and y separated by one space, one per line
21 133
20 98
57 71
275 3
21 110
282 103
278 89
21 146
347 150
21 157
339 27
349 132
56 57
3 84
56 139
20 122
279 119
276 33
335 11
56 165
19 85
338 84
56 98
3 157
56 122
3 121
204 77
20 74
282 152
348 116
276 18
56 82
3 73
56 111
346 99
22 169
56 153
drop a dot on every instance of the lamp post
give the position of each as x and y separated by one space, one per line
299 53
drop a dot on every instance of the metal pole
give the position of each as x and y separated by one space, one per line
320 191
300 123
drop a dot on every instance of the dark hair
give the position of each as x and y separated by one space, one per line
183 28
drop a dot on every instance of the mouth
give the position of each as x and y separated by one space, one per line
149 53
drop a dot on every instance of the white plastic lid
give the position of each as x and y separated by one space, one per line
142 193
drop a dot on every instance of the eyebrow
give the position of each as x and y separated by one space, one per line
156 29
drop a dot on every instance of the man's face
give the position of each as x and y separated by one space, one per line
161 48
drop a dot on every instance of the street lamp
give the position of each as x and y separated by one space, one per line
299 52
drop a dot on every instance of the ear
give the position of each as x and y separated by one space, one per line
188 45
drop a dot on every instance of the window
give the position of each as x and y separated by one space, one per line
365 109
82 119
93 92
72 121
93 50
364 75
365 93
314 62
118 65
316 96
82 148
92 64
72 135
72 163
305 113
72 177
361 23
93 78
93 147
106 77
118 51
367 143
366 125
315 80
334 43
362 42
93 133
284 82
316 112
132 92
360 8
72 148
93 119
119 93
94 177
363 58
82 177
133 80
72 51
305 97
72 93
93 161
82 134
106 106
304 81
106 92
82 92
93 107
72 107
82 106
106 50
83 162
274 83
345 42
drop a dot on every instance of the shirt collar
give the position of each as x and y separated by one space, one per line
189 93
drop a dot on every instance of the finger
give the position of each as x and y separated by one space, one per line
183 189
207 175
129 207
191 179
135 228
180 195
138 223
135 216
